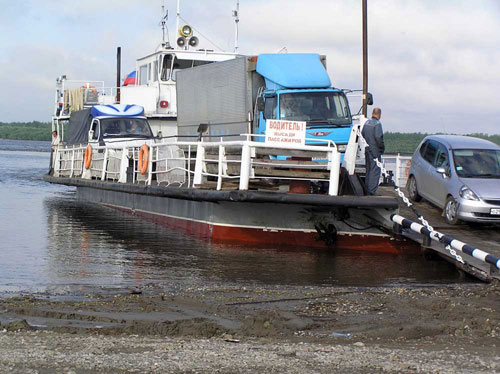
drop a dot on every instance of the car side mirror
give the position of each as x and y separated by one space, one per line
443 172
369 98
91 134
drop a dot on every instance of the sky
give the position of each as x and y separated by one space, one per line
433 65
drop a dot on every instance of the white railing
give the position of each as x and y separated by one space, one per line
399 165
91 93
203 164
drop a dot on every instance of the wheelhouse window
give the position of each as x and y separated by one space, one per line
317 108
477 163
155 71
143 74
125 127
170 65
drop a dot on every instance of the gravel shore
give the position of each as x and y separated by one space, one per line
448 329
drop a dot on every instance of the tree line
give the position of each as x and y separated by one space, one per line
26 130
395 142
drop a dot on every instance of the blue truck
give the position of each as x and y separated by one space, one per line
238 96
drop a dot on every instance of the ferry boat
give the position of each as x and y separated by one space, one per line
219 186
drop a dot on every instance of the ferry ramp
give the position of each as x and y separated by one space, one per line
484 236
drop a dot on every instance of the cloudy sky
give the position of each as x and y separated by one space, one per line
434 65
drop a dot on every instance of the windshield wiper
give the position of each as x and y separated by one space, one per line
488 175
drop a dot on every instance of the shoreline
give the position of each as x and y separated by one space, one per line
436 329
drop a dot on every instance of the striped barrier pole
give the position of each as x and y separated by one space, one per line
447 241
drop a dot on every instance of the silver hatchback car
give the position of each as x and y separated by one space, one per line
460 174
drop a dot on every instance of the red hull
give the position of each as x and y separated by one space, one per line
256 236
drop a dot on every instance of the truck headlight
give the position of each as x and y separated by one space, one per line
467 194
341 147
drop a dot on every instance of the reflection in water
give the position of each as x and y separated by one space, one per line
49 239
117 247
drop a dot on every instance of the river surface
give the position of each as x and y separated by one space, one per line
51 242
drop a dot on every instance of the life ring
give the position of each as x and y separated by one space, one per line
89 87
88 156
407 170
143 159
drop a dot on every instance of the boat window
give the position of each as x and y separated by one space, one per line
143 74
199 63
165 67
317 108
155 71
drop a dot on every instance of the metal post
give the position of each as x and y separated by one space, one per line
398 172
104 164
365 57
118 73
220 169
123 166
245 166
72 163
333 189
236 14
198 166
178 17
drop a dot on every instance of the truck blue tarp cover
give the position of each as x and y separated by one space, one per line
293 70
117 110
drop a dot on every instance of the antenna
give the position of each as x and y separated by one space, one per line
236 15
178 17
163 24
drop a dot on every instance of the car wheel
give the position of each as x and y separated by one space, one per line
412 189
450 211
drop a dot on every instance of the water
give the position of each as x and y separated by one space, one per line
50 242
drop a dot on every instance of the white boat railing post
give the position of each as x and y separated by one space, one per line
104 164
334 166
398 171
198 167
221 171
56 161
246 159
72 162
150 164
123 166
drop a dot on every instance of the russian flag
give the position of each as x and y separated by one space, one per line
130 79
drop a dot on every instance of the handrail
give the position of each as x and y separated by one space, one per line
171 163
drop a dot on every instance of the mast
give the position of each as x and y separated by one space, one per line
236 15
365 57
178 17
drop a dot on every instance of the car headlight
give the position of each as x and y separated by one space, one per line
467 194
341 147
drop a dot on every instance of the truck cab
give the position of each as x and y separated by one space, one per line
298 88
325 111
119 124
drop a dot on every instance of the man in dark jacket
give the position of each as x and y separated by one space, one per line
374 136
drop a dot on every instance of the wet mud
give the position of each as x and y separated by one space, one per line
455 328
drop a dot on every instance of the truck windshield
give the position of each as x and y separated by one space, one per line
317 108
125 127
477 163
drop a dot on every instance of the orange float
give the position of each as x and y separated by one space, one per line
88 156
143 159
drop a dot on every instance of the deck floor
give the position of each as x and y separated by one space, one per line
485 236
